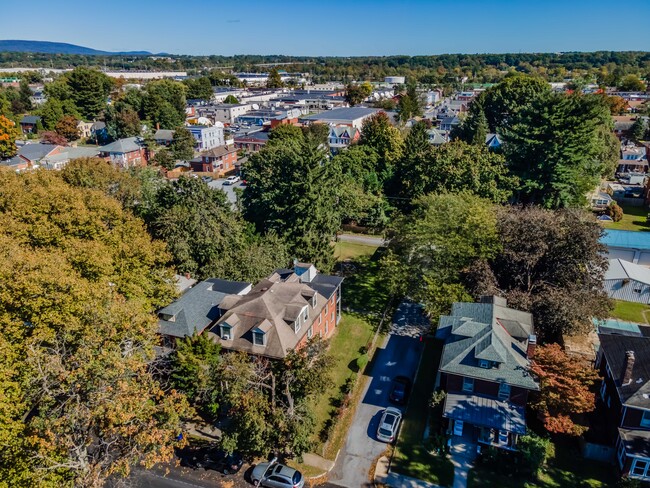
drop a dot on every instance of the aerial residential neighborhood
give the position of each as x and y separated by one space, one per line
350 258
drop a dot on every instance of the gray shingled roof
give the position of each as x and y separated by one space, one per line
122 146
164 135
489 331
637 442
30 119
272 307
198 307
36 152
615 347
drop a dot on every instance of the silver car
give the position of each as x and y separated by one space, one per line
389 425
276 475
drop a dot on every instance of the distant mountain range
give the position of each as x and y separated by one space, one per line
46 47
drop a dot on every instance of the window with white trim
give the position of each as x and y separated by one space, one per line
310 332
296 325
603 390
305 314
314 301
504 391
640 468
645 419
484 363
468 384
226 332
259 338
621 453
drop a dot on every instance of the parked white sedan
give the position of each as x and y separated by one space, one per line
389 425
231 180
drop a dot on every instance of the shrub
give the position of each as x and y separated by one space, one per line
362 361
615 212
437 397
535 451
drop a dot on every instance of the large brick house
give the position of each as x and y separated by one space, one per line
281 313
220 160
624 362
484 370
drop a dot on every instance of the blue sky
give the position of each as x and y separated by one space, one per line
348 28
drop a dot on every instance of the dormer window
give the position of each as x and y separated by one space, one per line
313 301
296 325
167 317
225 331
305 314
484 363
259 338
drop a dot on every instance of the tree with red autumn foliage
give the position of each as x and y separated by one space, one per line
564 389
51 137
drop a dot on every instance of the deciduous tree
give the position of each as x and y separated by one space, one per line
182 146
8 135
565 389
85 277
89 89
67 127
355 93
432 245
551 264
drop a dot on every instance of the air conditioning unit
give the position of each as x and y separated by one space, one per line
226 337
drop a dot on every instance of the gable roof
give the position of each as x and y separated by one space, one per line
36 152
614 348
198 307
620 269
487 331
122 146
30 119
220 151
164 135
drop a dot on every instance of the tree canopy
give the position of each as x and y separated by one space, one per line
293 190
550 263
79 280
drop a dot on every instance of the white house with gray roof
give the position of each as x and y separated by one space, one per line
485 370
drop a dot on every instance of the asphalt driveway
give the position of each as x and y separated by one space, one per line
398 355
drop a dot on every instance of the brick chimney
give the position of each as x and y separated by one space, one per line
629 366
532 344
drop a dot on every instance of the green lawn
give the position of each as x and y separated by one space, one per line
353 333
344 250
411 457
634 218
566 469
362 290
630 311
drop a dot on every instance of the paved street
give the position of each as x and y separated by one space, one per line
229 189
398 355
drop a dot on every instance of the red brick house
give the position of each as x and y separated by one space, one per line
280 313
252 142
221 159
125 153
624 362
485 371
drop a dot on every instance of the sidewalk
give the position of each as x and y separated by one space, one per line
462 454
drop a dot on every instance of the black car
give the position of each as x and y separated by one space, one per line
399 391
222 461
208 458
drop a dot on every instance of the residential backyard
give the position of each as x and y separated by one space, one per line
411 456
344 250
631 311
634 218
